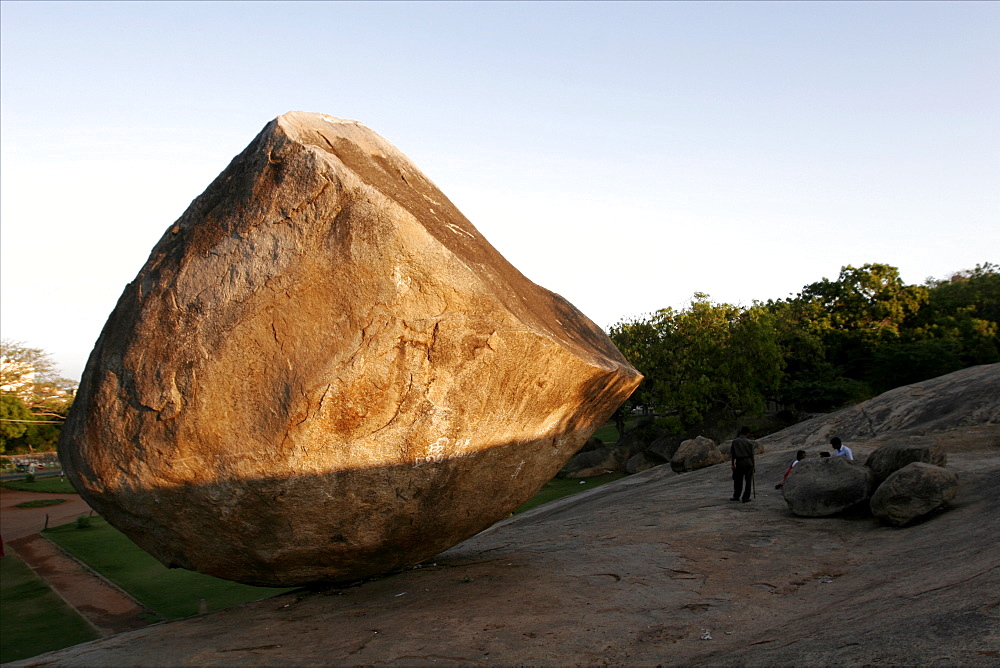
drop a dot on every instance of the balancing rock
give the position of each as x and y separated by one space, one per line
324 372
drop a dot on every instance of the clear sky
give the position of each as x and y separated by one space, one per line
625 155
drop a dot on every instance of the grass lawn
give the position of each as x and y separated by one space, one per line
560 487
34 618
171 593
608 433
40 503
49 485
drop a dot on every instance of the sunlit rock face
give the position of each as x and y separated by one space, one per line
325 372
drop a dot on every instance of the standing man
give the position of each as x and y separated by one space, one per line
839 449
741 452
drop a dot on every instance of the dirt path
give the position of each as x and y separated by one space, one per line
106 607
19 522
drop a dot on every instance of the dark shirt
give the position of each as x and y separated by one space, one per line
742 449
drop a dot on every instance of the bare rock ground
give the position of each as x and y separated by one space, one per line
657 568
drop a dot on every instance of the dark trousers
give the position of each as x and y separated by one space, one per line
742 481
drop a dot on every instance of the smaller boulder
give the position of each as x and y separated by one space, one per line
595 462
593 443
638 463
635 441
890 458
696 453
662 449
827 485
912 492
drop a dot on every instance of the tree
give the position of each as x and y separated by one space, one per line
872 299
14 416
708 357
33 390
836 342
31 375
963 312
832 331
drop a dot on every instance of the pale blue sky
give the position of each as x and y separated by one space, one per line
625 155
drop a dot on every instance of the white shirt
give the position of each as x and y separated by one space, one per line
843 452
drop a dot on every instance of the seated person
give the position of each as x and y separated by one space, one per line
839 449
799 456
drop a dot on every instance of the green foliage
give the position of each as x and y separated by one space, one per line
704 358
47 485
905 363
29 380
964 311
560 487
83 521
171 593
40 503
836 342
12 411
670 424
872 299
607 433
34 618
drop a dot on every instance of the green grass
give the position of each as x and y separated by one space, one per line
49 485
34 618
608 433
560 487
40 503
171 593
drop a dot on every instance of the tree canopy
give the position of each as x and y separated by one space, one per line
835 342
35 398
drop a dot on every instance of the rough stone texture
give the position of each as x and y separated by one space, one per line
592 443
662 449
638 463
324 372
696 453
966 398
634 442
893 456
633 573
912 492
827 485
595 462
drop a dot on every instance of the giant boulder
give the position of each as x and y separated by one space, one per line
324 372
827 485
912 492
